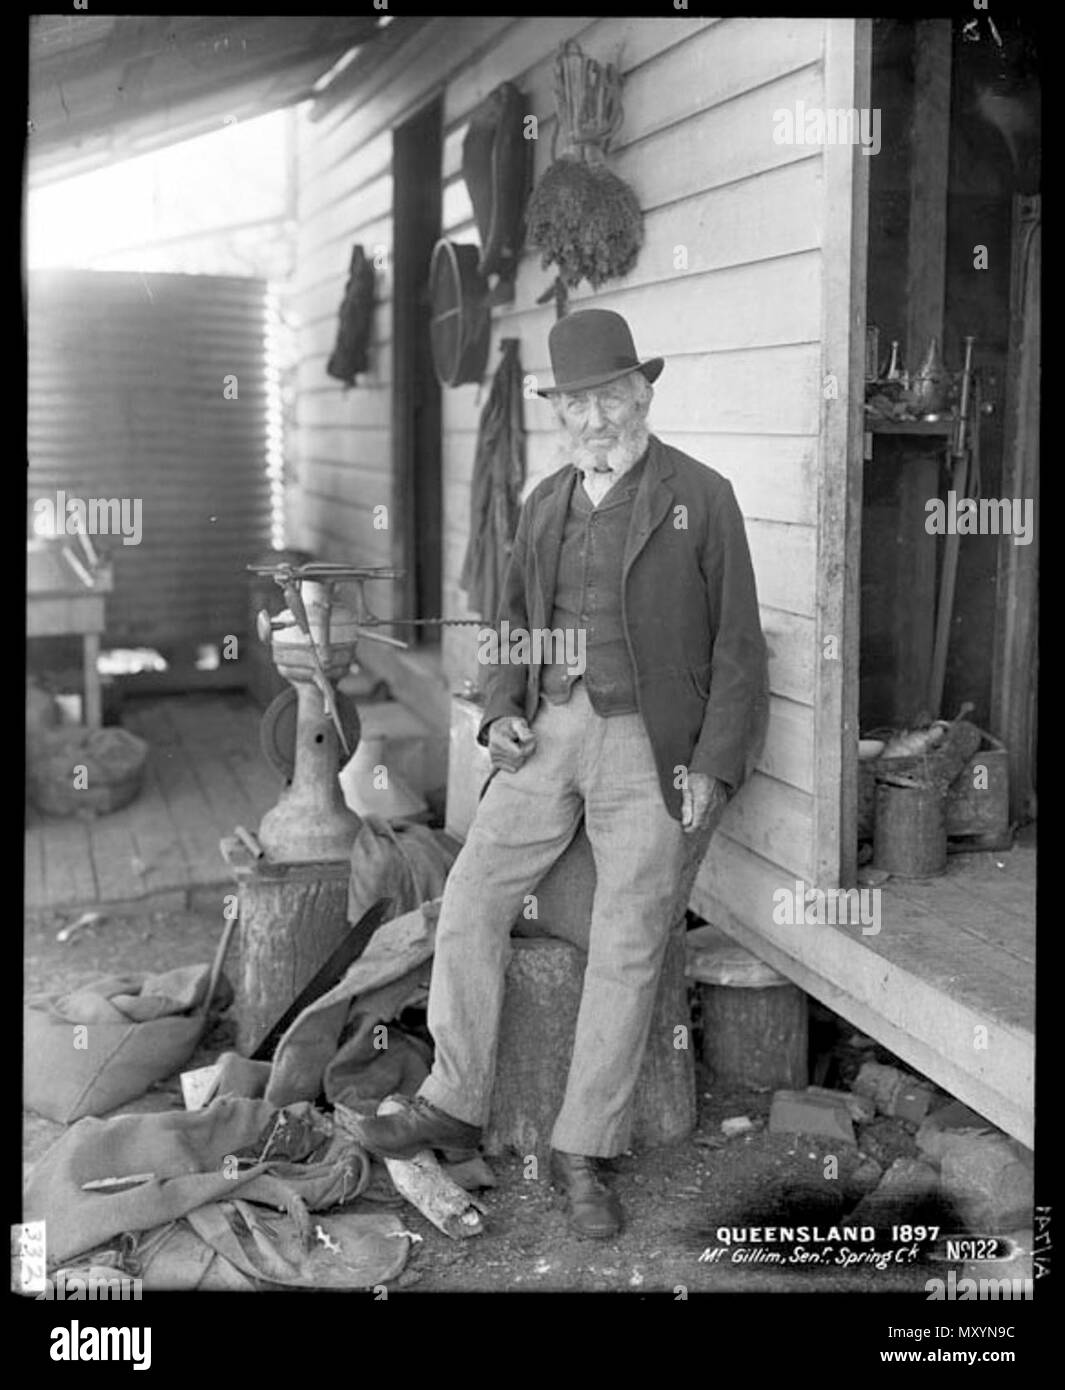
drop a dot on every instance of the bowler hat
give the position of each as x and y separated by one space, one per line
591 347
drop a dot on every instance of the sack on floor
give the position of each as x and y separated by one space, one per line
94 1048
105 1179
235 1246
407 863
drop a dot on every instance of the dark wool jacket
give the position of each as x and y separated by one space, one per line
690 613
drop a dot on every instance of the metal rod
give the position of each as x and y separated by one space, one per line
380 637
949 575
945 604
963 403
428 622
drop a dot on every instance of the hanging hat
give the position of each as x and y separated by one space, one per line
592 347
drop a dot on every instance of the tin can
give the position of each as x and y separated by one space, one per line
910 833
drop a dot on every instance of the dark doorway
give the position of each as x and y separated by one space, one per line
416 406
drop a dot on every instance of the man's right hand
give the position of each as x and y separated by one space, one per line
510 742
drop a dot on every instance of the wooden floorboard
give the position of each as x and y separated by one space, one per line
205 774
206 733
114 856
981 918
199 751
259 783
1009 892
937 946
68 871
166 857
181 783
244 756
166 834
33 862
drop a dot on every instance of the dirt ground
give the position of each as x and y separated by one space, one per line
675 1198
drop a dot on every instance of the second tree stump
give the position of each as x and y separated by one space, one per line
755 1021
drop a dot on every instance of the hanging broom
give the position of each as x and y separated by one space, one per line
581 217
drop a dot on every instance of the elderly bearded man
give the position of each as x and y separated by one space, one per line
641 550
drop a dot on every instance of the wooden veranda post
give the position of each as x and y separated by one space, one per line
1015 670
848 46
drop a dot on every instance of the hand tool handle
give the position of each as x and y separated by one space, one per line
296 607
329 975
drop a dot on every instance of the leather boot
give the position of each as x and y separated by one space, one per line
592 1208
419 1125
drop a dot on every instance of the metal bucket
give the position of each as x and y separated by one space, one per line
910 834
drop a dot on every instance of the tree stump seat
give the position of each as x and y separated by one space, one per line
542 994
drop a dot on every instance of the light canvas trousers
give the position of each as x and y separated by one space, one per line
604 769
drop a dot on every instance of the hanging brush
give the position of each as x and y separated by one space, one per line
581 217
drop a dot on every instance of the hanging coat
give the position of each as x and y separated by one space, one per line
498 477
356 321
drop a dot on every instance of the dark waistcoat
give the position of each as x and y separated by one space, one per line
689 610
588 598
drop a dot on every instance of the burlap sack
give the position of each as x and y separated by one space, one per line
92 1049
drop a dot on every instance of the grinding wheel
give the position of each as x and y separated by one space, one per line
277 731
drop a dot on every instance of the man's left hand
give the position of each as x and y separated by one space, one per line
703 797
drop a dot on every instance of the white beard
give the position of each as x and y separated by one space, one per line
601 468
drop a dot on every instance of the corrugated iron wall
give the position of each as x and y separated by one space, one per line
127 382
